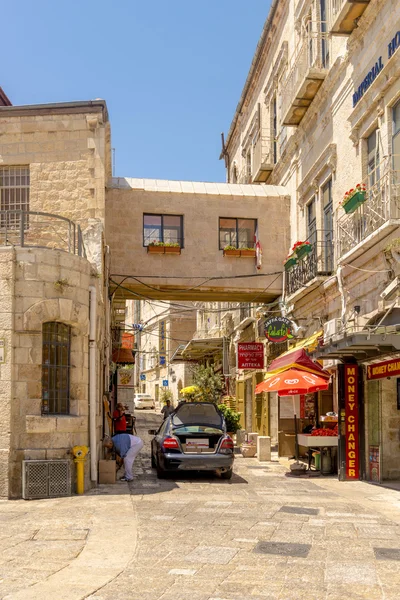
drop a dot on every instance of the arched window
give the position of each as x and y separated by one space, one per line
56 368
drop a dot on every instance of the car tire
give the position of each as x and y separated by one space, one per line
227 474
160 472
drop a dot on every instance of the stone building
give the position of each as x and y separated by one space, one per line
54 163
319 114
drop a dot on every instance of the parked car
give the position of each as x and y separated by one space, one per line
193 438
143 401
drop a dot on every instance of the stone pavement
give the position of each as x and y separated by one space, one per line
195 537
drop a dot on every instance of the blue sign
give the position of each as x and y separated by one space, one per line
165 382
143 377
137 326
162 360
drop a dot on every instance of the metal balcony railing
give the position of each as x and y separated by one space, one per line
40 230
381 205
319 262
310 62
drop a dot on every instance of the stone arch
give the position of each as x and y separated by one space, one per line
56 309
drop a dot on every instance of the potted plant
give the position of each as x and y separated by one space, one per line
172 248
232 418
156 247
231 251
251 252
354 198
302 249
248 449
290 261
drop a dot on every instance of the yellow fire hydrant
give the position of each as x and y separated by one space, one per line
80 453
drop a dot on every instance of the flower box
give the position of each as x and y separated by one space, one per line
354 202
290 262
153 249
235 252
303 250
250 253
172 249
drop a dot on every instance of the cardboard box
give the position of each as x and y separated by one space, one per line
107 471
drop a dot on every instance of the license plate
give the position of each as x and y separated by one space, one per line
196 443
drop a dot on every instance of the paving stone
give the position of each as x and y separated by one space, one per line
299 510
211 555
351 572
387 553
283 549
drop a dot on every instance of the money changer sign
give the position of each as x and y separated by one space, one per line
351 420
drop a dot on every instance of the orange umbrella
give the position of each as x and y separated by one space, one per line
293 382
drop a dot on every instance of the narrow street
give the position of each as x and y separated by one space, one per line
195 537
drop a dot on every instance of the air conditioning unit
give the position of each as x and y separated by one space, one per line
46 479
332 330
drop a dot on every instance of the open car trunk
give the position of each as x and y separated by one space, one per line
199 426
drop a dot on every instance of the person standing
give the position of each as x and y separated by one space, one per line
119 419
167 409
127 447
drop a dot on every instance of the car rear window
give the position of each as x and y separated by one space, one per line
197 414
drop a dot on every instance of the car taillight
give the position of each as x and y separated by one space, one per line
227 444
170 443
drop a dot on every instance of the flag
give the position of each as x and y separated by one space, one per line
258 250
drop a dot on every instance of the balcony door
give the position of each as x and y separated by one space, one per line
312 222
396 142
373 158
327 250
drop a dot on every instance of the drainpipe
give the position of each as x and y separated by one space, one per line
92 384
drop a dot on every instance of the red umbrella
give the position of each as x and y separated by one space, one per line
293 382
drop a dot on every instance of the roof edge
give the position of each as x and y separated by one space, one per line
98 105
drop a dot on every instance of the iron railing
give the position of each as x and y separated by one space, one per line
312 54
381 205
31 229
319 262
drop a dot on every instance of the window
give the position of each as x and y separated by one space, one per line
328 226
56 368
14 194
373 158
239 233
311 221
396 140
274 130
163 228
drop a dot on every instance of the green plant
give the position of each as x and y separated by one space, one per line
232 418
393 245
61 284
165 395
155 243
248 248
210 384
165 244
230 247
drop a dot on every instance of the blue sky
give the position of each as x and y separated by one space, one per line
171 72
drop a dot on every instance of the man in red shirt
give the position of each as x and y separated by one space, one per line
119 419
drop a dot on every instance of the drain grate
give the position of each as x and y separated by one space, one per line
298 510
387 553
283 549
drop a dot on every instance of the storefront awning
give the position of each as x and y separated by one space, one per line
362 345
295 359
308 344
123 355
202 348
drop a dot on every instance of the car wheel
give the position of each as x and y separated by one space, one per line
227 474
160 472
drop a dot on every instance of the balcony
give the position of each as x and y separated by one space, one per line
308 69
318 263
262 160
377 217
344 15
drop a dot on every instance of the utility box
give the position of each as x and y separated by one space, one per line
107 471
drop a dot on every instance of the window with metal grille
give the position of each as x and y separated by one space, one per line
56 368
162 228
14 195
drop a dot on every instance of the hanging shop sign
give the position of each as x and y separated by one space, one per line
389 368
125 378
351 420
162 344
127 341
278 329
250 356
